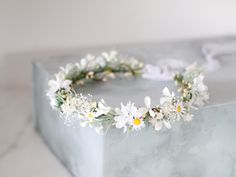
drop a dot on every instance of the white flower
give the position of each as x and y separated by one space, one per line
137 123
59 83
67 108
111 56
89 118
198 84
55 85
199 91
134 63
97 109
51 94
90 115
53 103
191 72
90 112
126 117
121 122
147 102
91 62
101 61
179 109
82 64
102 107
158 123
87 64
168 97
168 109
167 93
70 69
52 97
157 117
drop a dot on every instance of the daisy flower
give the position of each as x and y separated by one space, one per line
128 117
168 110
67 108
198 84
59 83
144 110
125 115
111 56
101 61
137 123
90 115
158 124
121 122
157 121
179 109
69 69
102 108
96 110
167 96
82 64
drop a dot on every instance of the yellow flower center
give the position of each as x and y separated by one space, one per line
137 121
179 109
90 115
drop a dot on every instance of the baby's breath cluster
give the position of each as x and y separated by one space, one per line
77 108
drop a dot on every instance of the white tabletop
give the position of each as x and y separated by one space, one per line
22 151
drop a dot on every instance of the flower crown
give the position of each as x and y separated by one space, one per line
75 107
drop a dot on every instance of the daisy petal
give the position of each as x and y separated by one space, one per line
66 83
152 113
83 63
166 92
54 86
52 83
147 101
143 110
162 100
60 76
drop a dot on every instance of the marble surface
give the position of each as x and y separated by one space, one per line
204 147
22 151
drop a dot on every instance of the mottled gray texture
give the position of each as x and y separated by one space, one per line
204 147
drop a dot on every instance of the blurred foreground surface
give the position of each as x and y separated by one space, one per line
22 152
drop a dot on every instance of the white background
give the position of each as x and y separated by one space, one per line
30 28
